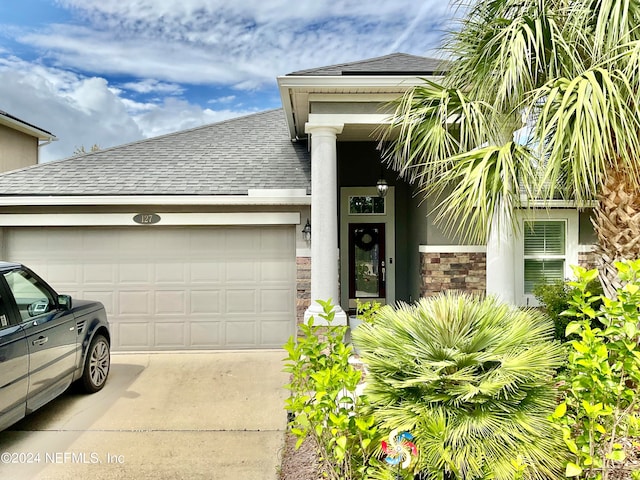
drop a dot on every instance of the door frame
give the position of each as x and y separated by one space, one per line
388 219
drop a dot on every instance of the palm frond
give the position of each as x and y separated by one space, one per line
587 126
479 184
471 380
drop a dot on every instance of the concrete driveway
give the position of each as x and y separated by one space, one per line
190 416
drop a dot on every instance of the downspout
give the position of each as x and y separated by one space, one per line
44 143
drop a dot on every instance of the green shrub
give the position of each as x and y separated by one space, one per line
603 374
472 380
367 311
323 401
554 299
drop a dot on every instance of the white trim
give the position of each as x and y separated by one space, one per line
388 218
350 118
548 204
352 97
570 218
303 252
288 85
30 130
452 249
166 219
361 81
93 200
277 192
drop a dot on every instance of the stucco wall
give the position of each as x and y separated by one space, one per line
17 149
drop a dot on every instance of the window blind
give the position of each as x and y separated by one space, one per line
544 251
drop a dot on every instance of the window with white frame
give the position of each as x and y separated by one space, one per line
545 252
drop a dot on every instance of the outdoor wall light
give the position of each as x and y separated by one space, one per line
382 187
306 231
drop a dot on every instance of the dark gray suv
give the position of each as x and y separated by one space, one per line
47 342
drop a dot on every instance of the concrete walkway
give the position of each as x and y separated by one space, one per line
189 416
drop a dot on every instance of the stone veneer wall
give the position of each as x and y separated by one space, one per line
587 260
303 286
462 271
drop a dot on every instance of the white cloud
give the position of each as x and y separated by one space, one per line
150 85
117 71
245 43
227 99
83 111
174 115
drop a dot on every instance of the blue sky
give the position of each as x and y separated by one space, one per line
108 72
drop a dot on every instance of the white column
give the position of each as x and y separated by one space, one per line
501 277
324 220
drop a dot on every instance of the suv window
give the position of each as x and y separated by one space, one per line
32 297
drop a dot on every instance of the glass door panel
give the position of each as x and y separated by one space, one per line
367 269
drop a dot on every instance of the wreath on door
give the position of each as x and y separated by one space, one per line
366 238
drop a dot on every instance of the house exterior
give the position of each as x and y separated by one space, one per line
197 239
20 142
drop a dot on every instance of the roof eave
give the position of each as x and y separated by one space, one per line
23 127
289 83
147 200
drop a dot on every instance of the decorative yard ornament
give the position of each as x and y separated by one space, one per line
399 449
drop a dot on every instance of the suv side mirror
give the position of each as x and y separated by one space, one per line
64 301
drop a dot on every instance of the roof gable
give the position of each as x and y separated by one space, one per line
392 64
20 125
225 158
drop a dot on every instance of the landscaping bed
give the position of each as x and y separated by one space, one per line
300 464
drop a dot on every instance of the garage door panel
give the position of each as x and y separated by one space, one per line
275 271
205 272
57 273
167 273
172 288
135 273
237 246
271 242
97 273
240 301
205 302
276 301
202 242
170 335
134 303
241 271
204 334
272 332
240 333
170 302
133 335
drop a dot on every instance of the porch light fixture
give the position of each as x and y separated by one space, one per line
382 187
306 231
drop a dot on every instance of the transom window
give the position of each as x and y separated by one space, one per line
545 252
366 205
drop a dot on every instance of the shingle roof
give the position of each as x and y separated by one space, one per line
226 158
392 64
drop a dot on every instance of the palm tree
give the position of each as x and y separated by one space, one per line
472 379
566 70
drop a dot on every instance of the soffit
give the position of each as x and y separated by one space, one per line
299 93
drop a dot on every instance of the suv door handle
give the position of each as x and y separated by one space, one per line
40 341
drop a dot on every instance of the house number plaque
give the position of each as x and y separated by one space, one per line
146 218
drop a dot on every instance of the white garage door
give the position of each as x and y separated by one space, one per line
173 288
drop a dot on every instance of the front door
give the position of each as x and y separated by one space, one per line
367 266
367 247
